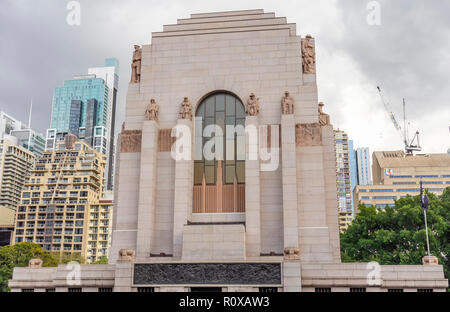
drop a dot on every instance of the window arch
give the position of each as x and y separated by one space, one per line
219 144
220 109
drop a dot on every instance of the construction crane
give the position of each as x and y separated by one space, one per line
410 146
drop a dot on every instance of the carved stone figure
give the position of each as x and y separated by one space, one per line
131 141
186 109
324 119
136 65
308 56
126 255
35 263
291 253
287 104
151 113
308 134
252 105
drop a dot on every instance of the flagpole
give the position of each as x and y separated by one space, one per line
426 230
424 204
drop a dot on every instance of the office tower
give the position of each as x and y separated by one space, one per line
61 201
8 124
396 175
85 107
364 167
15 163
343 176
23 136
110 74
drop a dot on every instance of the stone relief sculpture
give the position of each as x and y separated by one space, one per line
308 134
126 255
308 56
291 253
186 109
151 113
35 263
207 273
252 105
136 65
131 141
324 119
287 104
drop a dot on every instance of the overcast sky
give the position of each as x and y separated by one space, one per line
408 55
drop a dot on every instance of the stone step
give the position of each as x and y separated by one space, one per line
226 24
291 27
228 13
224 18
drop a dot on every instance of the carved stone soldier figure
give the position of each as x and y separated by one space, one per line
136 65
151 113
186 109
308 56
252 105
287 104
324 119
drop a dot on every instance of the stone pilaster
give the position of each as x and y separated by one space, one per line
147 189
252 189
123 277
183 194
292 277
289 178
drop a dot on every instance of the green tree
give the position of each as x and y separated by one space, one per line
65 258
102 260
18 255
396 235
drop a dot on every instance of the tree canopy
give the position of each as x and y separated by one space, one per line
396 235
18 255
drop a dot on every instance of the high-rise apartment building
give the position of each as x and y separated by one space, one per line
396 175
15 163
61 206
343 176
85 107
364 167
353 171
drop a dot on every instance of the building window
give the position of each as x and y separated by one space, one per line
109 289
425 290
357 290
268 289
221 170
27 290
395 290
146 289
50 290
323 290
75 290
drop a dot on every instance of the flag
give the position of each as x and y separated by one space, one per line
389 172
423 198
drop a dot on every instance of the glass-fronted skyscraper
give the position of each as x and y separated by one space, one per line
85 107
364 167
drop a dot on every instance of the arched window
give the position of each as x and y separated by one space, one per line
219 167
